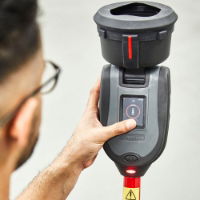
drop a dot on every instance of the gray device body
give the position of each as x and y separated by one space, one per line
144 97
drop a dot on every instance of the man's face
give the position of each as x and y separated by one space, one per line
18 86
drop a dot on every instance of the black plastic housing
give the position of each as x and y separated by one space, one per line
153 136
135 34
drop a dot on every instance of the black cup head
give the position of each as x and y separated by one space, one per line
135 34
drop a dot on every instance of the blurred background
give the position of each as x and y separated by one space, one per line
70 39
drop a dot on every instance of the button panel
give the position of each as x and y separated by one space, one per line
133 108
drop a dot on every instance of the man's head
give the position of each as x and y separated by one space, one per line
21 69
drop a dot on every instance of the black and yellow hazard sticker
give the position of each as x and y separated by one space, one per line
131 194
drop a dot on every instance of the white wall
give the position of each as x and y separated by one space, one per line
71 39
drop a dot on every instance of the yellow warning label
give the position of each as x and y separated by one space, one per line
131 194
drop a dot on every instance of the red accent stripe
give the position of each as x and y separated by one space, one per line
132 182
130 47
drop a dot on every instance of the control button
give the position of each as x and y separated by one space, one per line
133 111
131 158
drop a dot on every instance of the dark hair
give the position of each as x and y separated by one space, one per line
19 34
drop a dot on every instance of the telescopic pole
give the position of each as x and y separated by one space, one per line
131 188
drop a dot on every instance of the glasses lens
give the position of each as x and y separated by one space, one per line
48 84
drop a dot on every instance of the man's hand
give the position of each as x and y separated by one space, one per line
90 135
57 181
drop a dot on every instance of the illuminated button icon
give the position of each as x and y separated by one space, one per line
133 111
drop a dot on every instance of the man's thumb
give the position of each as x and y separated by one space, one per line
118 128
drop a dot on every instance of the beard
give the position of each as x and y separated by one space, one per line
33 139
26 154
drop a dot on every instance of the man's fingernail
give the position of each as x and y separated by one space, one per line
130 124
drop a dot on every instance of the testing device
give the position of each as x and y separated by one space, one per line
135 38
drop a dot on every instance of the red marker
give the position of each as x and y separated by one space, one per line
130 47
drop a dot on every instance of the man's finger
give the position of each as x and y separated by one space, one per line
117 129
94 97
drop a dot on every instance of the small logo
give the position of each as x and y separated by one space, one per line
134 137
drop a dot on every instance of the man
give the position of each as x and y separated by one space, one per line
23 81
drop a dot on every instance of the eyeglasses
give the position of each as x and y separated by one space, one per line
48 85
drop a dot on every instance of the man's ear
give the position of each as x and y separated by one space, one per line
19 129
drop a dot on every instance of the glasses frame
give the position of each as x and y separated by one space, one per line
8 117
